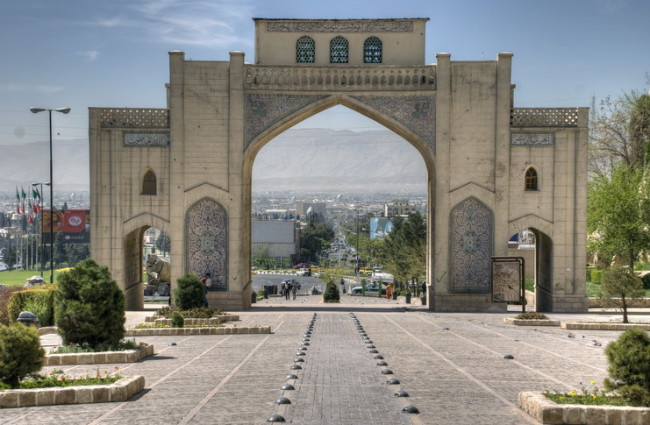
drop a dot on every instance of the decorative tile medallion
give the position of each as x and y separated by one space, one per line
264 110
532 139
206 242
470 246
146 139
417 113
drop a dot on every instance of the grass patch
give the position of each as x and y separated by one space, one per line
86 348
19 277
587 399
58 379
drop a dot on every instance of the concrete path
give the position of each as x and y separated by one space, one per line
451 365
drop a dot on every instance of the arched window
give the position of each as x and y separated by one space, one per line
372 49
339 50
530 179
305 50
149 183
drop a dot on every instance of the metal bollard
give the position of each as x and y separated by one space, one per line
28 318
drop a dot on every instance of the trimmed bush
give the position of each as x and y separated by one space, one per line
177 320
189 294
331 294
629 366
21 353
596 277
531 315
39 300
646 281
589 275
89 306
5 297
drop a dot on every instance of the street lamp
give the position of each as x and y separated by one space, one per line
63 111
41 226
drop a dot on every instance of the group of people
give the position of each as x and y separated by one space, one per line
289 289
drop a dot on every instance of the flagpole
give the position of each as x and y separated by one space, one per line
40 211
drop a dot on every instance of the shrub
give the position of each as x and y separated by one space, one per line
596 276
39 300
646 281
177 320
629 366
331 294
589 275
89 306
21 353
189 293
5 296
531 315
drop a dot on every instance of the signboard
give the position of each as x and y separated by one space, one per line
507 279
74 224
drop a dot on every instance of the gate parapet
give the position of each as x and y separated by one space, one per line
352 78
544 117
133 118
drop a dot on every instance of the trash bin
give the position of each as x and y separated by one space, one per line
28 318
253 297
408 298
423 298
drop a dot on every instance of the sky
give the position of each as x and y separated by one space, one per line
90 53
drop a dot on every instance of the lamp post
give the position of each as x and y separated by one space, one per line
41 224
63 111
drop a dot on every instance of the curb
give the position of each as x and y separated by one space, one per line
604 326
102 357
548 412
198 331
531 322
121 390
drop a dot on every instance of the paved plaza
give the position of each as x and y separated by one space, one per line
451 365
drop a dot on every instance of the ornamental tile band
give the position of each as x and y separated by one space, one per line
134 118
340 26
264 110
417 113
544 117
532 139
146 139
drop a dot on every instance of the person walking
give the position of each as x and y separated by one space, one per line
389 291
294 289
287 290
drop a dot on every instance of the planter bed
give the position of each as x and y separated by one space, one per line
604 326
121 390
101 357
531 322
547 412
215 320
199 331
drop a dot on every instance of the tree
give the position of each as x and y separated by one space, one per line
21 353
619 133
89 306
404 251
163 243
190 293
618 213
629 366
620 287
60 255
313 239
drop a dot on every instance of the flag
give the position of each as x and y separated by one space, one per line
17 194
23 194
31 207
17 200
30 219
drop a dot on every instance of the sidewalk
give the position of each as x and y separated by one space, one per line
451 365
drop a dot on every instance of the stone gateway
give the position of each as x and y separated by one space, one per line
493 170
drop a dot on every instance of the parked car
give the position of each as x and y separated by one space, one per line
303 272
371 287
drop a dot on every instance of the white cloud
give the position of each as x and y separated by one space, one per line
190 22
90 55
20 87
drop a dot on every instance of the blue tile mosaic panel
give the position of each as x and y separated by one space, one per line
206 242
417 113
470 247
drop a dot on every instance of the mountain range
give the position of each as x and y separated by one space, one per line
298 159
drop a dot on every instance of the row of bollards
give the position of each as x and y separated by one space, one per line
381 363
295 366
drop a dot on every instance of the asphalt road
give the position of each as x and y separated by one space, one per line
306 283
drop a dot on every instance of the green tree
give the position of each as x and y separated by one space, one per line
190 293
618 213
163 243
629 366
404 250
89 306
60 249
621 288
313 239
21 353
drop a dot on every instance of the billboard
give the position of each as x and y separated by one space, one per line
380 227
74 224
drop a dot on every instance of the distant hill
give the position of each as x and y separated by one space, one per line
300 159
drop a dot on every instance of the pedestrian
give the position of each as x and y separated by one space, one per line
287 291
207 284
389 291
294 289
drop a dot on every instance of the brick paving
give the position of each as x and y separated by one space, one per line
452 366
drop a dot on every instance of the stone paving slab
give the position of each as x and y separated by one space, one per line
452 365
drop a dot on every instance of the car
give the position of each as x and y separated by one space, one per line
303 272
371 287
